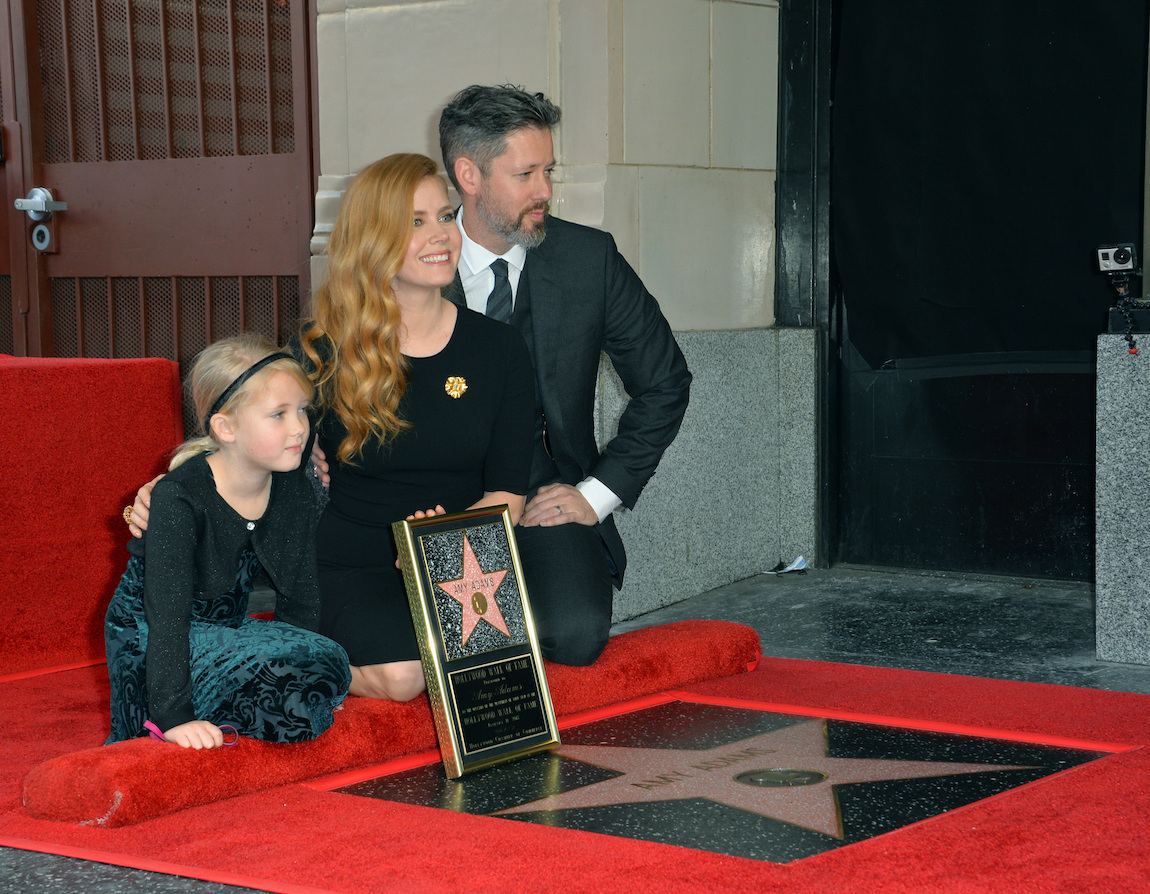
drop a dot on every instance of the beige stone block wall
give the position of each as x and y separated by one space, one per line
387 68
668 134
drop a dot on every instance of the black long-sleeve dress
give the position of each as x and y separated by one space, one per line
471 412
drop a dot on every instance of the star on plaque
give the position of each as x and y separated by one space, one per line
475 590
784 774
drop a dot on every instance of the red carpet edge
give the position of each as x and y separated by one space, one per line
141 779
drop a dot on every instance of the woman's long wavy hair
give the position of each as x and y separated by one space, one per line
216 367
352 341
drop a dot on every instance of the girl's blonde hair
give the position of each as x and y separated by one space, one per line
216 367
352 341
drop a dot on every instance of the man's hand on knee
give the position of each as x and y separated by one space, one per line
558 504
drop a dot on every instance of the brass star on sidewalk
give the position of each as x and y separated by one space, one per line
785 775
475 591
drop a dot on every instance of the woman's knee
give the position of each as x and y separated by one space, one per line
398 681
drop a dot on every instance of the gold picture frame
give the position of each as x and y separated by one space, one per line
477 642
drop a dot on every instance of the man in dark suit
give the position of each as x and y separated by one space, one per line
572 295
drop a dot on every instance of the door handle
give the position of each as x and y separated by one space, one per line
39 204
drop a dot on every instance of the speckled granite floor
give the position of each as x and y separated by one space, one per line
1020 629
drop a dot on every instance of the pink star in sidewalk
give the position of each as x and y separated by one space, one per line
475 591
785 774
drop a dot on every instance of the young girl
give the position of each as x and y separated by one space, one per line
183 657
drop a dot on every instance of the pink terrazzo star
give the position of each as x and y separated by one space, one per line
475 591
784 775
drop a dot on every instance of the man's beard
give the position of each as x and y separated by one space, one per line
515 230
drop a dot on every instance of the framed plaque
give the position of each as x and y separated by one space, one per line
477 639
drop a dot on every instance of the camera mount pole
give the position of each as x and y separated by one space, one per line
1146 180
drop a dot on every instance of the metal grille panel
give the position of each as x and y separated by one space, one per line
173 317
151 79
227 309
65 318
7 308
127 318
95 313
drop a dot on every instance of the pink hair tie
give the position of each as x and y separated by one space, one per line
158 734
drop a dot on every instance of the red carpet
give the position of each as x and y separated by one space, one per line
78 437
1081 831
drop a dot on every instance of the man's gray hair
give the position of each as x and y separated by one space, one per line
475 124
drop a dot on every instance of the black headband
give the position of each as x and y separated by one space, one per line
239 383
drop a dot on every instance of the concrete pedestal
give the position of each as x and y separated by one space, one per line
1122 506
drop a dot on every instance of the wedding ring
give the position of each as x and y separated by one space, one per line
558 509
127 514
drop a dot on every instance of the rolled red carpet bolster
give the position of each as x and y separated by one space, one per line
125 783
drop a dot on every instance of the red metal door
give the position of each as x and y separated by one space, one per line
178 134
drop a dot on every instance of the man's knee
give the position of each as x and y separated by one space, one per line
570 590
578 642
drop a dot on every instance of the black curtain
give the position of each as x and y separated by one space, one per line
981 152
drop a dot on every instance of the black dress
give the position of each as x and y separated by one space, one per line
471 412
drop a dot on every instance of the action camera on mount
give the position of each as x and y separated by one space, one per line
1117 258
1120 264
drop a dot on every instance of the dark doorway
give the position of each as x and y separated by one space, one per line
980 153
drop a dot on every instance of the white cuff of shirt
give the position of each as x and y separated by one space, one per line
600 496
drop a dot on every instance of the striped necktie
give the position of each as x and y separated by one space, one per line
499 301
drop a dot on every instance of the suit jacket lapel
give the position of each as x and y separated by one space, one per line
546 317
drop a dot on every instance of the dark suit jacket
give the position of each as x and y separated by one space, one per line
585 298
